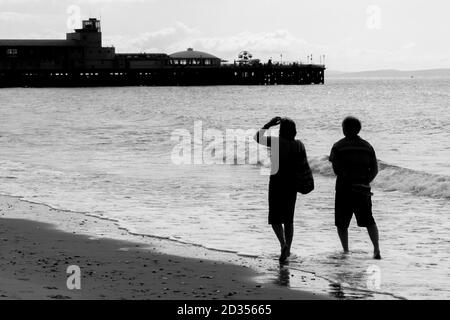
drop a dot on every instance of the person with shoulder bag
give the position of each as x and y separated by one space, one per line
290 174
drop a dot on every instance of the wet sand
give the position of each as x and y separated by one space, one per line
35 257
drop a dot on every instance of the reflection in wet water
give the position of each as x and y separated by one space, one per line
283 275
336 291
296 275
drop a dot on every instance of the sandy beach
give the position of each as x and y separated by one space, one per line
35 257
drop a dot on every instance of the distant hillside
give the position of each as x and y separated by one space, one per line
389 73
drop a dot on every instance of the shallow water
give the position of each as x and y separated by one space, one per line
107 151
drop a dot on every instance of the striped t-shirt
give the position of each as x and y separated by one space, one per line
354 162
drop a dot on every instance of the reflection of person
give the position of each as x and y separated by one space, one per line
284 276
355 165
282 190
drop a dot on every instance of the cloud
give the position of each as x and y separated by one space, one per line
19 1
9 16
164 37
347 54
267 43
162 40
179 37
410 45
112 1
75 1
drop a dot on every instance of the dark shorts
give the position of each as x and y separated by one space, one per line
348 203
281 203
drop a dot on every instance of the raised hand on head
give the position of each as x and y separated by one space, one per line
275 121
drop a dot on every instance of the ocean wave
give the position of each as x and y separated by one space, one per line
395 178
392 178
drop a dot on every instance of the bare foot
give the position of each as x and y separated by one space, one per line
377 255
284 254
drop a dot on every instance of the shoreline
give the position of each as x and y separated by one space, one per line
36 256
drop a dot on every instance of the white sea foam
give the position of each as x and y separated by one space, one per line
395 178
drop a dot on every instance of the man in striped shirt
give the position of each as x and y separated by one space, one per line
355 165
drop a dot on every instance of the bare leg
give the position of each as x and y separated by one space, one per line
279 232
373 234
343 236
289 235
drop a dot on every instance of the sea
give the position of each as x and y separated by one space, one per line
169 162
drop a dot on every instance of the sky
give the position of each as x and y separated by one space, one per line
354 35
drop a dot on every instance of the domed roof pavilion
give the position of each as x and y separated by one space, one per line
191 57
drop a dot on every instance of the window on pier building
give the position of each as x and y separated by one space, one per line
11 52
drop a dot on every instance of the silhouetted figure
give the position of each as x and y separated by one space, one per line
355 165
282 189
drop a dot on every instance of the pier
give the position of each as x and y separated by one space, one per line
81 61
